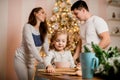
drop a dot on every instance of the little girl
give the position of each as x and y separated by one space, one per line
58 56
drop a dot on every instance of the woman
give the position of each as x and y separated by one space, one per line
34 37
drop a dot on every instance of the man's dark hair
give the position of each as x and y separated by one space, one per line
79 5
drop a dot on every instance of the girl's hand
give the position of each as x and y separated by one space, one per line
50 69
79 73
78 66
79 70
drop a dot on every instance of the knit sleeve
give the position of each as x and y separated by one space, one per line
48 58
27 35
72 65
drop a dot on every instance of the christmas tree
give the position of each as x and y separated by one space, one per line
62 18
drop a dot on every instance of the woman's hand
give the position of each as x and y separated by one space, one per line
50 69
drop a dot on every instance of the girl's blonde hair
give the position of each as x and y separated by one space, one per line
55 34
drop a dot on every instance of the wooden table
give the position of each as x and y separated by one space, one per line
40 74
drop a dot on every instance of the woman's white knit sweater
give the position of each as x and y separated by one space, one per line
31 46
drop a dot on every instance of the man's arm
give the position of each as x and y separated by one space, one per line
105 39
78 50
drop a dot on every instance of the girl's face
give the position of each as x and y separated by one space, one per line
60 42
41 15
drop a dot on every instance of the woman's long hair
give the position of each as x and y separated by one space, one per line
43 28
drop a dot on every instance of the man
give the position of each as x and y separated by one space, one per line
94 29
